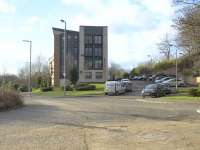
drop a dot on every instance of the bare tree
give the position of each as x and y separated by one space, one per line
165 47
186 2
40 73
188 26
115 71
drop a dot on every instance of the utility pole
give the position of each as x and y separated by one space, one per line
30 87
64 70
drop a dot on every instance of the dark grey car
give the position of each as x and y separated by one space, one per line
153 90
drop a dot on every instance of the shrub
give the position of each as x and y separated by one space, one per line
46 89
68 88
9 99
164 65
85 87
23 88
74 75
194 92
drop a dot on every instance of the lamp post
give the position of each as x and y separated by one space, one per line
170 45
30 43
64 70
176 69
151 60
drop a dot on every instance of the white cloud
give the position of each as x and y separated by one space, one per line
30 23
12 53
143 24
6 7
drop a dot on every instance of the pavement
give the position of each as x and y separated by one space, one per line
101 123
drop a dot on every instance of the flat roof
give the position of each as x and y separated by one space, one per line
92 26
62 30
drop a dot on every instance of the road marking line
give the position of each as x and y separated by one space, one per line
148 101
198 111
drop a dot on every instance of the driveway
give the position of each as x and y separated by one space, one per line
100 123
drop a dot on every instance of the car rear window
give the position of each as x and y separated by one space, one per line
151 86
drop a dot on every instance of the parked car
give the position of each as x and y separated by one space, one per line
166 88
127 84
134 78
114 88
158 76
162 79
139 78
150 78
125 80
172 82
153 90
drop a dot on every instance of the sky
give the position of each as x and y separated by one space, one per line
134 27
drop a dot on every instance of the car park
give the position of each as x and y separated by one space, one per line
114 88
125 80
162 79
127 84
158 77
134 78
166 88
172 82
153 90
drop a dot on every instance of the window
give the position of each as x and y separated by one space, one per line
88 63
97 52
99 75
69 37
98 39
98 64
88 39
88 51
88 75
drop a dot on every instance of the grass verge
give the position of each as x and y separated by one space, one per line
58 92
181 98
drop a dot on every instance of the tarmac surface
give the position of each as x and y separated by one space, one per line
101 123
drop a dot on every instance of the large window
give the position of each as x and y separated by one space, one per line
88 39
99 75
88 51
97 52
88 75
97 39
88 63
98 64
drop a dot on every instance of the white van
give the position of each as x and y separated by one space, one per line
114 88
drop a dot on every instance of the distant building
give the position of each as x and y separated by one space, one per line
86 50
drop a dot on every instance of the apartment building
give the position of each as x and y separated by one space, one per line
87 50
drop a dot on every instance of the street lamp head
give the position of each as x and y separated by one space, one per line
26 40
62 20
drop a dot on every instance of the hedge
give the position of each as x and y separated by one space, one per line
46 89
194 92
85 87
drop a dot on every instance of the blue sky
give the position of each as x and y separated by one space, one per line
135 27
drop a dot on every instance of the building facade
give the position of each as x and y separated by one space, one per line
87 50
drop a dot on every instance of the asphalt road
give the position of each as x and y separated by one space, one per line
102 123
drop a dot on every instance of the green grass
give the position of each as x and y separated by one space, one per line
69 93
182 95
99 86
181 98
58 92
